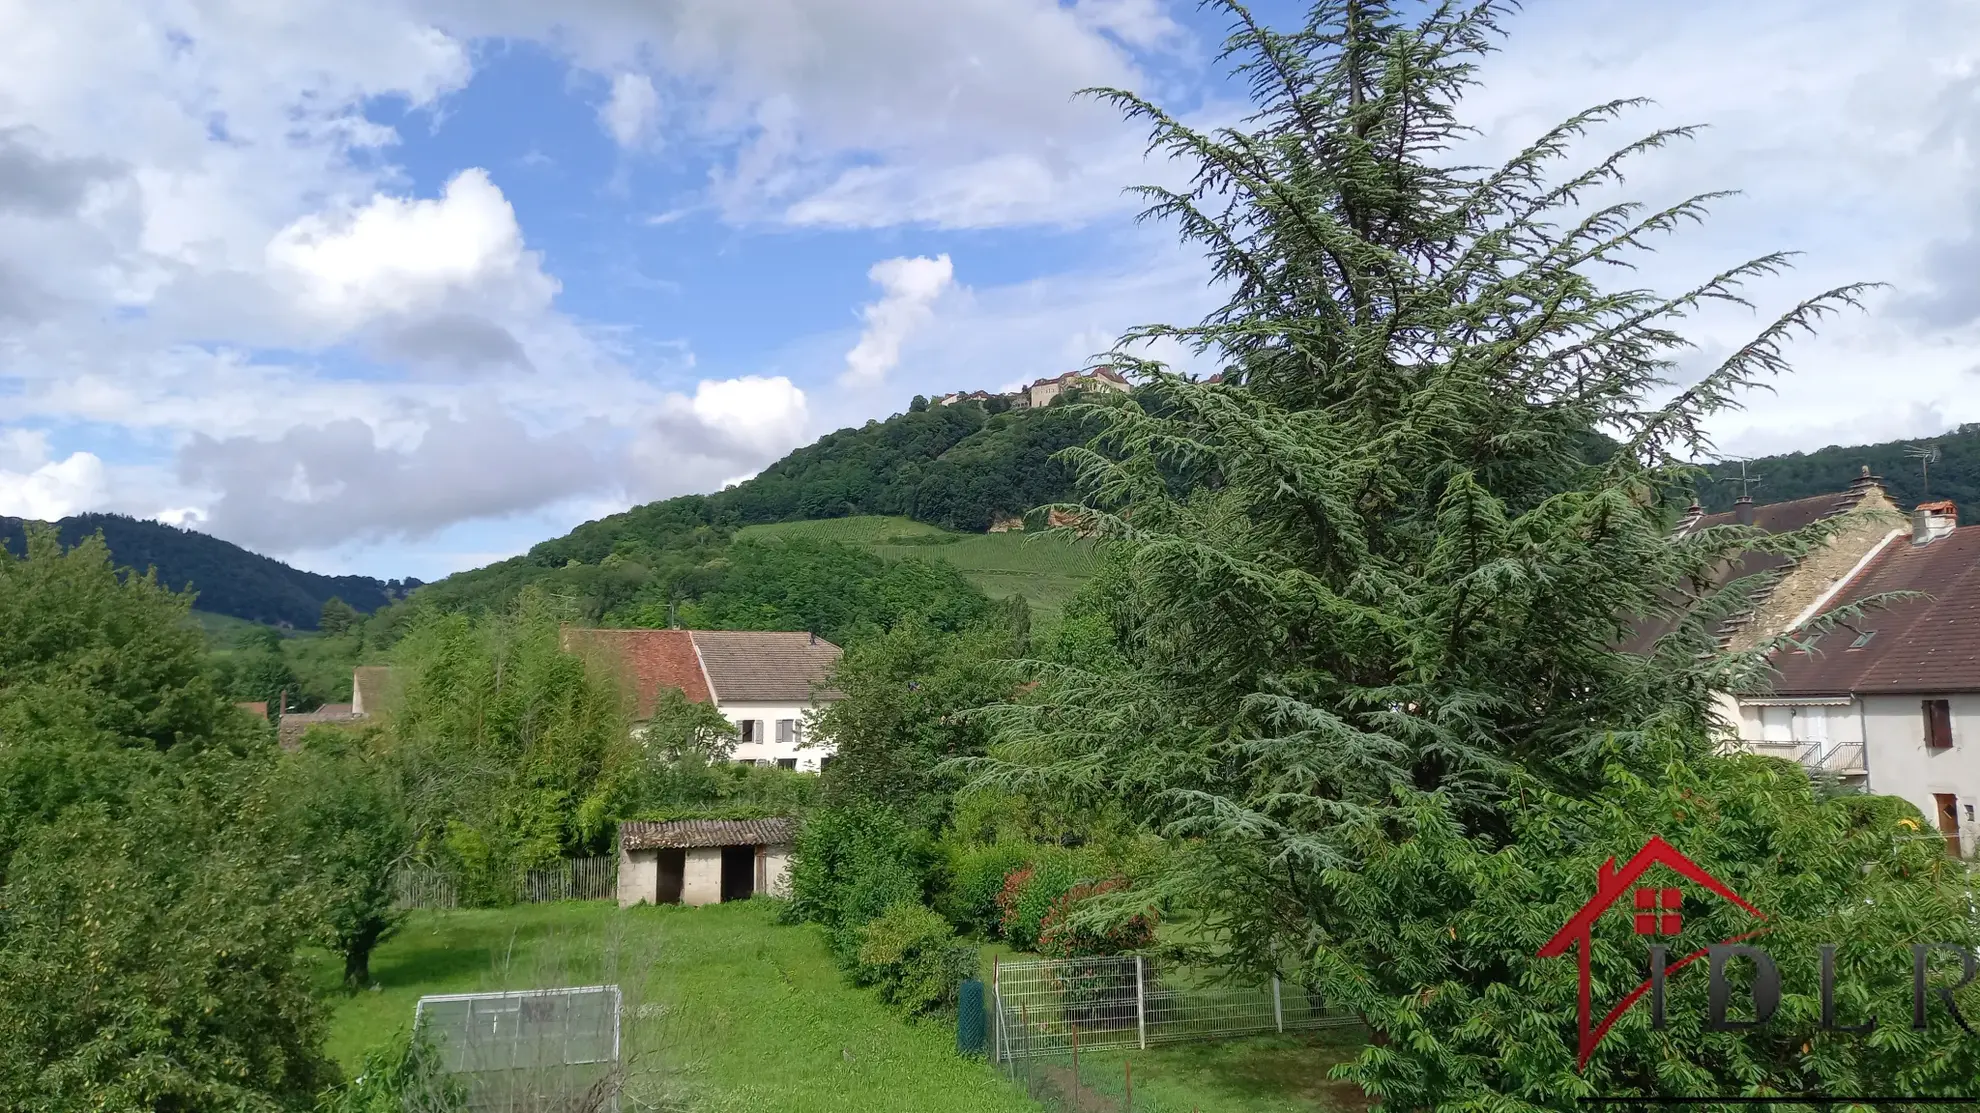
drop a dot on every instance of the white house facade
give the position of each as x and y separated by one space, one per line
1891 700
766 683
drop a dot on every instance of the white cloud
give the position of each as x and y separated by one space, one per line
398 256
632 111
909 288
765 415
54 489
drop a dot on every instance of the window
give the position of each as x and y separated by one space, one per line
787 763
786 732
1776 724
748 730
1863 639
824 763
1938 724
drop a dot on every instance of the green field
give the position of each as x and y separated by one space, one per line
753 1015
1045 570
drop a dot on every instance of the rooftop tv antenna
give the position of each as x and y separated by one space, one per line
1746 482
1926 455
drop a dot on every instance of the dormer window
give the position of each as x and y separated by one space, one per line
1863 639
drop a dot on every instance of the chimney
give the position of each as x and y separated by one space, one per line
1691 515
1863 484
1933 520
1743 510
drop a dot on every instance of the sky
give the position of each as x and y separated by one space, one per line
400 287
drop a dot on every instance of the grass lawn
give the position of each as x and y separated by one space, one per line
1045 570
754 1014
1262 1074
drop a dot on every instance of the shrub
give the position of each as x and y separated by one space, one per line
1061 936
1028 894
911 954
978 877
849 866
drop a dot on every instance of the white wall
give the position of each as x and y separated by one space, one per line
1900 764
767 747
777 869
701 881
639 876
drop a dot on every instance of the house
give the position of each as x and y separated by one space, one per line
371 686
704 861
1891 700
1042 392
764 682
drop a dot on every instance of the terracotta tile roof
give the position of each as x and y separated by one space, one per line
257 708
1919 645
652 659
328 713
681 834
1773 517
754 666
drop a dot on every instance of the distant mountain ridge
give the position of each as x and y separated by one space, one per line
230 580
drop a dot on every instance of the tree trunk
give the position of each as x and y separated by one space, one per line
357 966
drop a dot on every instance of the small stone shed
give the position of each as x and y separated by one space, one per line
704 861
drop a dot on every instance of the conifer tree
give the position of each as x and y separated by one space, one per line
1380 592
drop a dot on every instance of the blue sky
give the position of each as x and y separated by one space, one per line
403 286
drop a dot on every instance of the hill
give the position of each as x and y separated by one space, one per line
1794 475
942 471
230 580
1045 570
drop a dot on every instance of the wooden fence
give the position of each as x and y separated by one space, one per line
569 879
424 887
573 879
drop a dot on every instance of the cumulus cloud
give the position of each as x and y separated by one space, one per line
396 256
34 486
330 483
39 184
727 428
909 288
457 341
632 111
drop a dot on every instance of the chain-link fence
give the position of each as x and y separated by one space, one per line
1041 1008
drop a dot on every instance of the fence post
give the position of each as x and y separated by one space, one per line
1278 1013
1140 1004
996 1013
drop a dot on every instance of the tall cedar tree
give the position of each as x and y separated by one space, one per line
1375 590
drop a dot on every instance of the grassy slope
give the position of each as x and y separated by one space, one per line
1045 570
758 1017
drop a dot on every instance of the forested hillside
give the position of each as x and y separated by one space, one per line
1954 475
958 467
229 580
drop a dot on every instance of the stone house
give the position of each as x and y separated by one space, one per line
1041 393
704 861
765 682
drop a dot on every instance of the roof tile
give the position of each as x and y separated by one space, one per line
681 834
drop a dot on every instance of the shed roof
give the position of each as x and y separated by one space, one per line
767 666
681 834
1928 644
369 684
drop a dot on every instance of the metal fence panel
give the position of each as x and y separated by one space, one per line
527 1049
1046 1008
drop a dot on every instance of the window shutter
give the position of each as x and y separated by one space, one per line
1938 724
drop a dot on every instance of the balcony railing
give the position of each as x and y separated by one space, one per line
1842 758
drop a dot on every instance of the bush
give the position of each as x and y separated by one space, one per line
849 866
1061 936
1029 893
912 955
978 874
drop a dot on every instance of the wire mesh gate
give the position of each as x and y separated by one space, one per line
1119 1001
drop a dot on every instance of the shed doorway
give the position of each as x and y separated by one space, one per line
738 872
672 875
